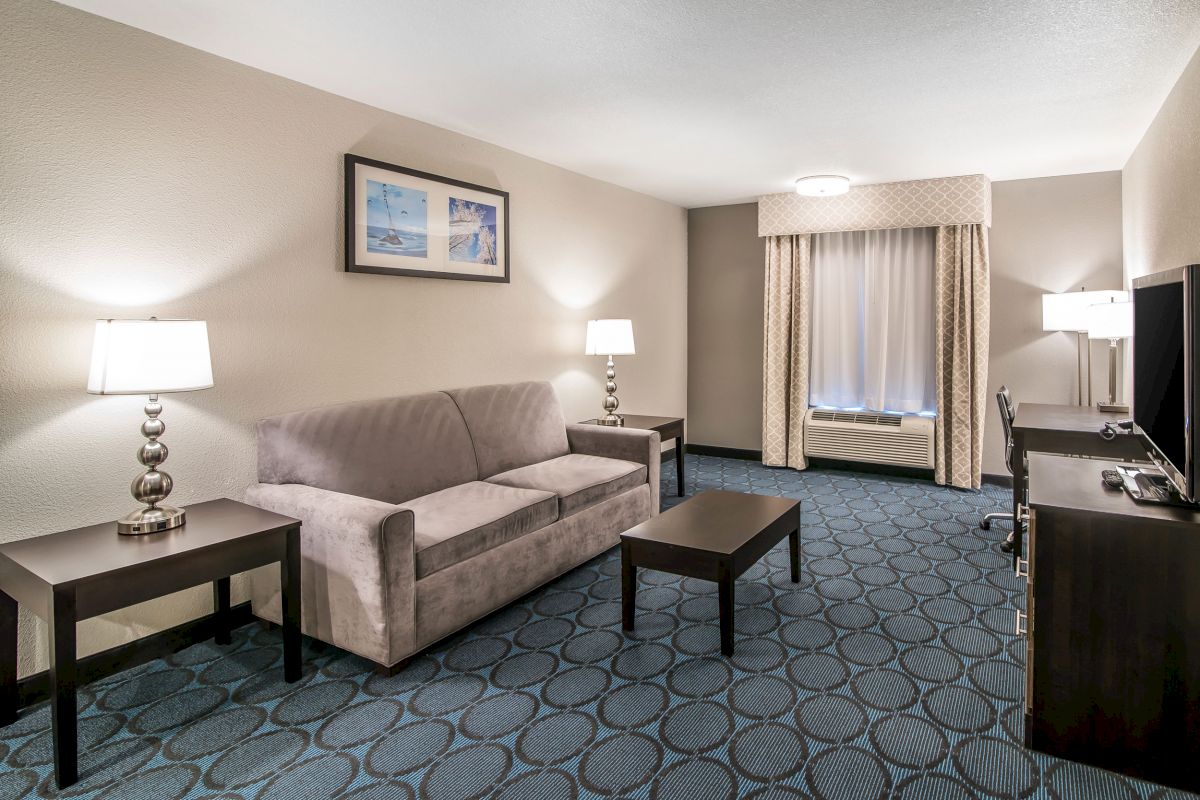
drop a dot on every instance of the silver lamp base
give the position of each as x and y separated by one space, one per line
153 485
611 417
150 520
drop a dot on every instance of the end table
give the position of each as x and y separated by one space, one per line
73 575
667 427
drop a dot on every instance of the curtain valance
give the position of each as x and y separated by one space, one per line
963 200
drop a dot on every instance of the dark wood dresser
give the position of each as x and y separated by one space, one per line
1112 626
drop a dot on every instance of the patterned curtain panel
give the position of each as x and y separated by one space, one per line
961 302
786 331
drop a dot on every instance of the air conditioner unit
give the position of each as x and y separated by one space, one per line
898 439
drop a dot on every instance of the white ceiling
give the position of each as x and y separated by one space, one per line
703 102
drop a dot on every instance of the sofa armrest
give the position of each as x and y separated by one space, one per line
358 566
628 444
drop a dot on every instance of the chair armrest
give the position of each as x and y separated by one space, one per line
358 569
628 444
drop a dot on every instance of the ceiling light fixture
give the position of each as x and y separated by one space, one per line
822 185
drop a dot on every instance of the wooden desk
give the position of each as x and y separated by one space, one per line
1113 631
1067 430
74 575
667 427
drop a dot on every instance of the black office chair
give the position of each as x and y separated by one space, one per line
1008 413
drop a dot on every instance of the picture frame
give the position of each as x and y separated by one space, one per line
402 221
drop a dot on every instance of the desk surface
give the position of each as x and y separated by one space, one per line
1075 484
1050 417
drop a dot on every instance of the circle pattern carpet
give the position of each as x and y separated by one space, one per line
889 671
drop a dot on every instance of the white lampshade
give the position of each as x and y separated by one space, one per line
1067 311
609 337
823 185
1110 320
149 356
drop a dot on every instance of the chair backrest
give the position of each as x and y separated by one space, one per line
1008 413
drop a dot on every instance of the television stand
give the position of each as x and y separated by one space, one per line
1112 633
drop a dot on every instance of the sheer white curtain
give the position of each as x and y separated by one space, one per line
873 321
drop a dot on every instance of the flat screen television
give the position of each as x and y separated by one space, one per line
1165 349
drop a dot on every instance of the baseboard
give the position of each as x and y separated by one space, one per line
872 469
36 688
1003 481
724 452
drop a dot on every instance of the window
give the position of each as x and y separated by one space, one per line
872 320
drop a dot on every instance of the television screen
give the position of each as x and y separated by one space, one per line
1159 373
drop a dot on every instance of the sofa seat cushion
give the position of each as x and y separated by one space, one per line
578 480
455 524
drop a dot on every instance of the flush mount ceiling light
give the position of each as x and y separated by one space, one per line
822 185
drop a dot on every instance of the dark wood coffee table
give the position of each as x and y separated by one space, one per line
69 576
714 536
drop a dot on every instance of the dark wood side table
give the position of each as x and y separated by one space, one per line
714 536
667 427
74 575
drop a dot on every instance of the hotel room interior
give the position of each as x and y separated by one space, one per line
664 399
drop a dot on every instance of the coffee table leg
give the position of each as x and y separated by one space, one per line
725 602
8 660
289 580
63 716
628 587
221 611
794 547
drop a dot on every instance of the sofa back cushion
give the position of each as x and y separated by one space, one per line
390 450
513 425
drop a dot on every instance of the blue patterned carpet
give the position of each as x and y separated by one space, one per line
889 671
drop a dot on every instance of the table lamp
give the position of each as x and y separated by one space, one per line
610 337
1067 311
1113 321
150 356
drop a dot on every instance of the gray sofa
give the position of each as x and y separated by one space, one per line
424 513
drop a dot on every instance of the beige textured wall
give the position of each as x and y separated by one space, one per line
138 176
725 294
1160 201
1161 184
1048 235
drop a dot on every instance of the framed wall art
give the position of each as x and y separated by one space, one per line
403 222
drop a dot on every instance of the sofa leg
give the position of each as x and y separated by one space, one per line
394 669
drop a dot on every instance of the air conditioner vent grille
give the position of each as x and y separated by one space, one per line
902 440
858 417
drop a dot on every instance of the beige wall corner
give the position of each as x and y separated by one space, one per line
1048 235
725 326
141 176
1161 187
1161 184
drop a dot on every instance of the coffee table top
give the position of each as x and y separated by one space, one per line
714 521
